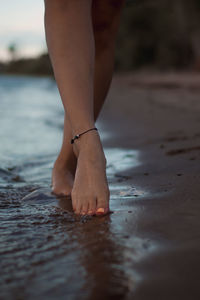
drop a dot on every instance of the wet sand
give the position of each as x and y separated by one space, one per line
159 116
148 248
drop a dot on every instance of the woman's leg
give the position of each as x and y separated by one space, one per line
65 165
71 47
70 41
105 17
60 10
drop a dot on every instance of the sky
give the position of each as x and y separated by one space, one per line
21 23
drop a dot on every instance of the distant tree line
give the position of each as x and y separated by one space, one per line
161 34
31 66
158 34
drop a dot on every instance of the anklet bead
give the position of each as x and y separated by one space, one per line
78 135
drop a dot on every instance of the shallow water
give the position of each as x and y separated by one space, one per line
46 251
148 248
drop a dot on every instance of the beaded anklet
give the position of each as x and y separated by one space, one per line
78 135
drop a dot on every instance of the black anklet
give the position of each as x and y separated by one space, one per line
78 135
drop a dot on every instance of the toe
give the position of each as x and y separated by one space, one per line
100 211
78 207
103 203
92 206
101 206
75 202
84 208
78 210
91 213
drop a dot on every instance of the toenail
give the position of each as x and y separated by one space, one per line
100 210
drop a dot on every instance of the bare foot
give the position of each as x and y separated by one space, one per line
90 193
63 174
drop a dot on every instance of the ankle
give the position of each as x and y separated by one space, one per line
87 140
89 145
84 126
65 162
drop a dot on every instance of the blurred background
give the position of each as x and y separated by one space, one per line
150 132
154 34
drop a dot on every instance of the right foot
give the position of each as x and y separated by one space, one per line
90 193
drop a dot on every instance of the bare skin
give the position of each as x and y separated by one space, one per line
83 78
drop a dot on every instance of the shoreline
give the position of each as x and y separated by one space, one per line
148 248
164 126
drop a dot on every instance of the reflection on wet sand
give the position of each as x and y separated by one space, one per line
147 248
101 258
102 250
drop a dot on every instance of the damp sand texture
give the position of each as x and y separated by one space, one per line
148 248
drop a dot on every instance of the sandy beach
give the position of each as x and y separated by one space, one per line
148 247
159 116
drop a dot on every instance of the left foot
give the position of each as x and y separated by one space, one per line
63 177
